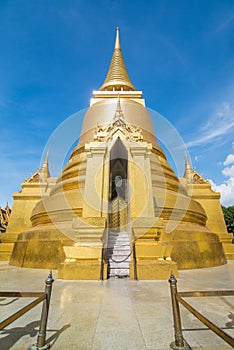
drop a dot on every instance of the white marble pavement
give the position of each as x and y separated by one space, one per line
117 314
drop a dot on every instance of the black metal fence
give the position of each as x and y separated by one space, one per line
41 296
176 298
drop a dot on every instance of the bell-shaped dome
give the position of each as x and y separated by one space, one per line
103 112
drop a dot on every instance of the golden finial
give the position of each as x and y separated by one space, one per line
47 158
117 41
188 172
44 171
118 113
117 77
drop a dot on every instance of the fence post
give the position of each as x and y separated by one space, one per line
102 263
134 261
179 340
41 338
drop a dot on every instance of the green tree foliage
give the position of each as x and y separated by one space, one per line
229 217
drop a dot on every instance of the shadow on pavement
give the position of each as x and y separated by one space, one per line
31 329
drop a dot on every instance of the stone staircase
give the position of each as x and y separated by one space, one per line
118 254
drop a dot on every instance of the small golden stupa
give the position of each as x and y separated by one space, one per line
117 209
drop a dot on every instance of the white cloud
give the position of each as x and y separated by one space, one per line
219 124
227 187
229 159
227 191
228 171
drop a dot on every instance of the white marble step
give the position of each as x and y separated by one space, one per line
118 250
124 248
119 273
118 239
120 244
116 268
119 258
123 265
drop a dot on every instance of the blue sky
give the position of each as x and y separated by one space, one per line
54 53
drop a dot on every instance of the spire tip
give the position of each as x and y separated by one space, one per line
117 41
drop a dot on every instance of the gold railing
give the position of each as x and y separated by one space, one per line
177 297
41 296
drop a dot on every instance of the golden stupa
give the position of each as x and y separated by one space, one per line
117 209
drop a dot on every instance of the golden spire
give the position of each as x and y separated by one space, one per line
188 172
44 171
117 77
7 208
119 113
